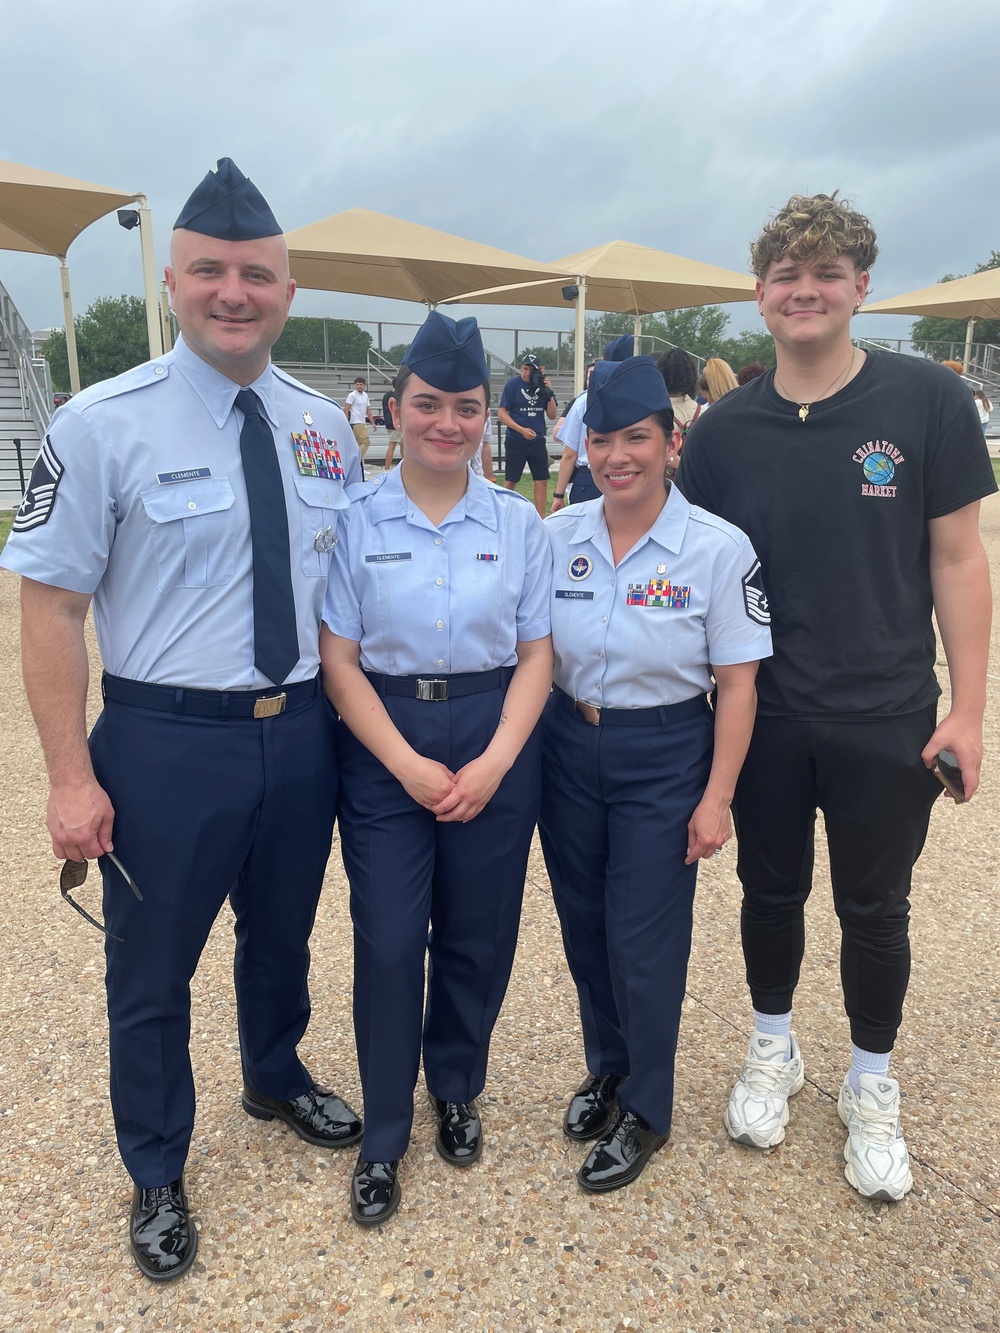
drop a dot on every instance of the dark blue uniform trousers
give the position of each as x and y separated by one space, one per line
616 802
205 808
466 881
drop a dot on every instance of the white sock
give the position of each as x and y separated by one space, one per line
774 1025
866 1062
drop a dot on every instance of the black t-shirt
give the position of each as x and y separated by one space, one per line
527 408
837 508
386 412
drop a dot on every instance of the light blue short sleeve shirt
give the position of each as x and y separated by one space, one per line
149 514
573 431
441 600
647 632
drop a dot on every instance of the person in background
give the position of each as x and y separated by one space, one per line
359 413
651 601
874 528
437 656
197 499
983 406
527 401
717 379
751 371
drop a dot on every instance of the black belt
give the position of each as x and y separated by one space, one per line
222 704
435 689
631 717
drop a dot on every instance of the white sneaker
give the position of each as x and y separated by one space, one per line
878 1165
758 1107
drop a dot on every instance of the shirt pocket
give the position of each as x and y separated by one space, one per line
320 502
194 533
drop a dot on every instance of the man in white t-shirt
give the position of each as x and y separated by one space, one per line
359 413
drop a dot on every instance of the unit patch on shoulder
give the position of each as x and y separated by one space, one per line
754 597
41 493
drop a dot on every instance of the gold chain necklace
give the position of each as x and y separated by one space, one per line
839 382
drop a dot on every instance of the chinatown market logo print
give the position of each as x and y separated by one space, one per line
41 493
879 460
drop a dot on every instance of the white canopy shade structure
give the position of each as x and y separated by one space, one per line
624 277
372 254
42 213
971 298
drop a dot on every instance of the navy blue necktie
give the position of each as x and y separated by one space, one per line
275 633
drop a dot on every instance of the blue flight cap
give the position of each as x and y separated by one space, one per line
448 353
618 349
229 207
624 392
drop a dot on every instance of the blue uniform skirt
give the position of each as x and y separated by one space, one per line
615 808
408 873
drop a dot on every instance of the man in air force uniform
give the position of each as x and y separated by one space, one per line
196 500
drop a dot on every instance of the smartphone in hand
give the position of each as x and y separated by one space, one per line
948 773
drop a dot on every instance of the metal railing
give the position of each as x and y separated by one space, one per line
15 335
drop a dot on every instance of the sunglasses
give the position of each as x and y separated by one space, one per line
74 874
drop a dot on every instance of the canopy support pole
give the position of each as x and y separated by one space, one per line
165 325
579 359
71 356
154 331
636 334
968 343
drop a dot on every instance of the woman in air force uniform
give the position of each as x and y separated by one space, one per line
651 600
438 658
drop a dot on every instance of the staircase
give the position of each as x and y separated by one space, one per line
25 403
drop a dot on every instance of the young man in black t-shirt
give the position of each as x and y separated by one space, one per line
525 404
858 479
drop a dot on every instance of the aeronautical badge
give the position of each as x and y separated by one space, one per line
754 597
41 493
580 567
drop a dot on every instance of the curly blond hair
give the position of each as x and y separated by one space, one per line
815 229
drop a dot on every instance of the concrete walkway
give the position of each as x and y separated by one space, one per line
713 1237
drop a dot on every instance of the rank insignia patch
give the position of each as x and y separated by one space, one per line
754 597
317 457
660 592
41 493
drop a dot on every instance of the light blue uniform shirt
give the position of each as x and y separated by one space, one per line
433 600
573 431
150 515
694 580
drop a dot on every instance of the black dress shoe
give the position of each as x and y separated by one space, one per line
592 1109
460 1131
163 1238
320 1117
375 1193
619 1157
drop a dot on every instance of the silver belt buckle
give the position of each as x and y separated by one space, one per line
271 706
435 691
589 712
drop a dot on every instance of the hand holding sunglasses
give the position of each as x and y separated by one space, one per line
74 874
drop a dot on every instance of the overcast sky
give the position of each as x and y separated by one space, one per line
542 129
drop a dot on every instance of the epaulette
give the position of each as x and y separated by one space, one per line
139 377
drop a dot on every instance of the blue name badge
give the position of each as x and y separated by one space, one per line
575 594
185 474
387 557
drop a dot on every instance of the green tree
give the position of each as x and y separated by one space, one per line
932 329
746 347
301 340
110 337
699 330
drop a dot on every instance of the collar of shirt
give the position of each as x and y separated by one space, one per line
668 530
391 501
217 391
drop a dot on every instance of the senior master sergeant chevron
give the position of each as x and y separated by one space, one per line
196 499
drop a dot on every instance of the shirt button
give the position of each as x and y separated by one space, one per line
439 582
440 624
437 541
158 370
192 505
440 661
604 620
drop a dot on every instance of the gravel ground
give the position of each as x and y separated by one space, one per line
712 1237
